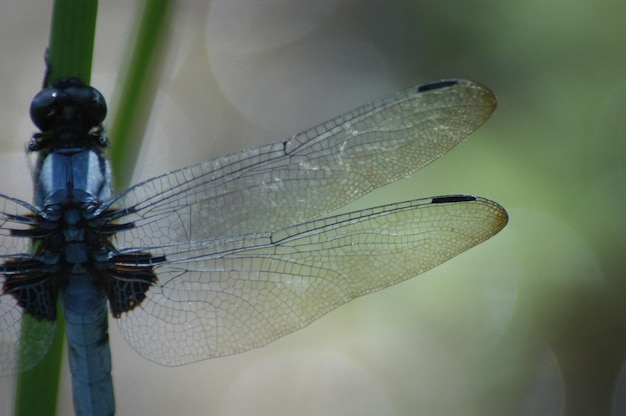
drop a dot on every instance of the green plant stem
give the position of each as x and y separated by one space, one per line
72 33
138 88
69 55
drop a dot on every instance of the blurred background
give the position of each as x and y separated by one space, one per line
532 322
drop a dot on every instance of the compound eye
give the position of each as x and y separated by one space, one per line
90 102
68 100
42 108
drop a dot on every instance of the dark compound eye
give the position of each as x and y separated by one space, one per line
68 100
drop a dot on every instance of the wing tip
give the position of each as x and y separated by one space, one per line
500 215
488 98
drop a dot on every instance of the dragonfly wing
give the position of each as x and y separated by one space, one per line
223 296
19 350
15 216
299 179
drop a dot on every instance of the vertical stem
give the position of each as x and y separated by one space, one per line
138 88
69 55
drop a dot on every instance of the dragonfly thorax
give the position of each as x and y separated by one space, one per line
79 178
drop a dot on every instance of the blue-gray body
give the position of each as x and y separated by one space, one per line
70 184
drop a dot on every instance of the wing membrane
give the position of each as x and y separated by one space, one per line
293 181
17 216
223 296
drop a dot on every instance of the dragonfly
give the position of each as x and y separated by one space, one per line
229 254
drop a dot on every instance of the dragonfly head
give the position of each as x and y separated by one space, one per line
68 110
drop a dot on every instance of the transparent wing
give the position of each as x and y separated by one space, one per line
19 350
299 179
226 295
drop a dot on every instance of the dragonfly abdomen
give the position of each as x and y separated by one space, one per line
85 309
